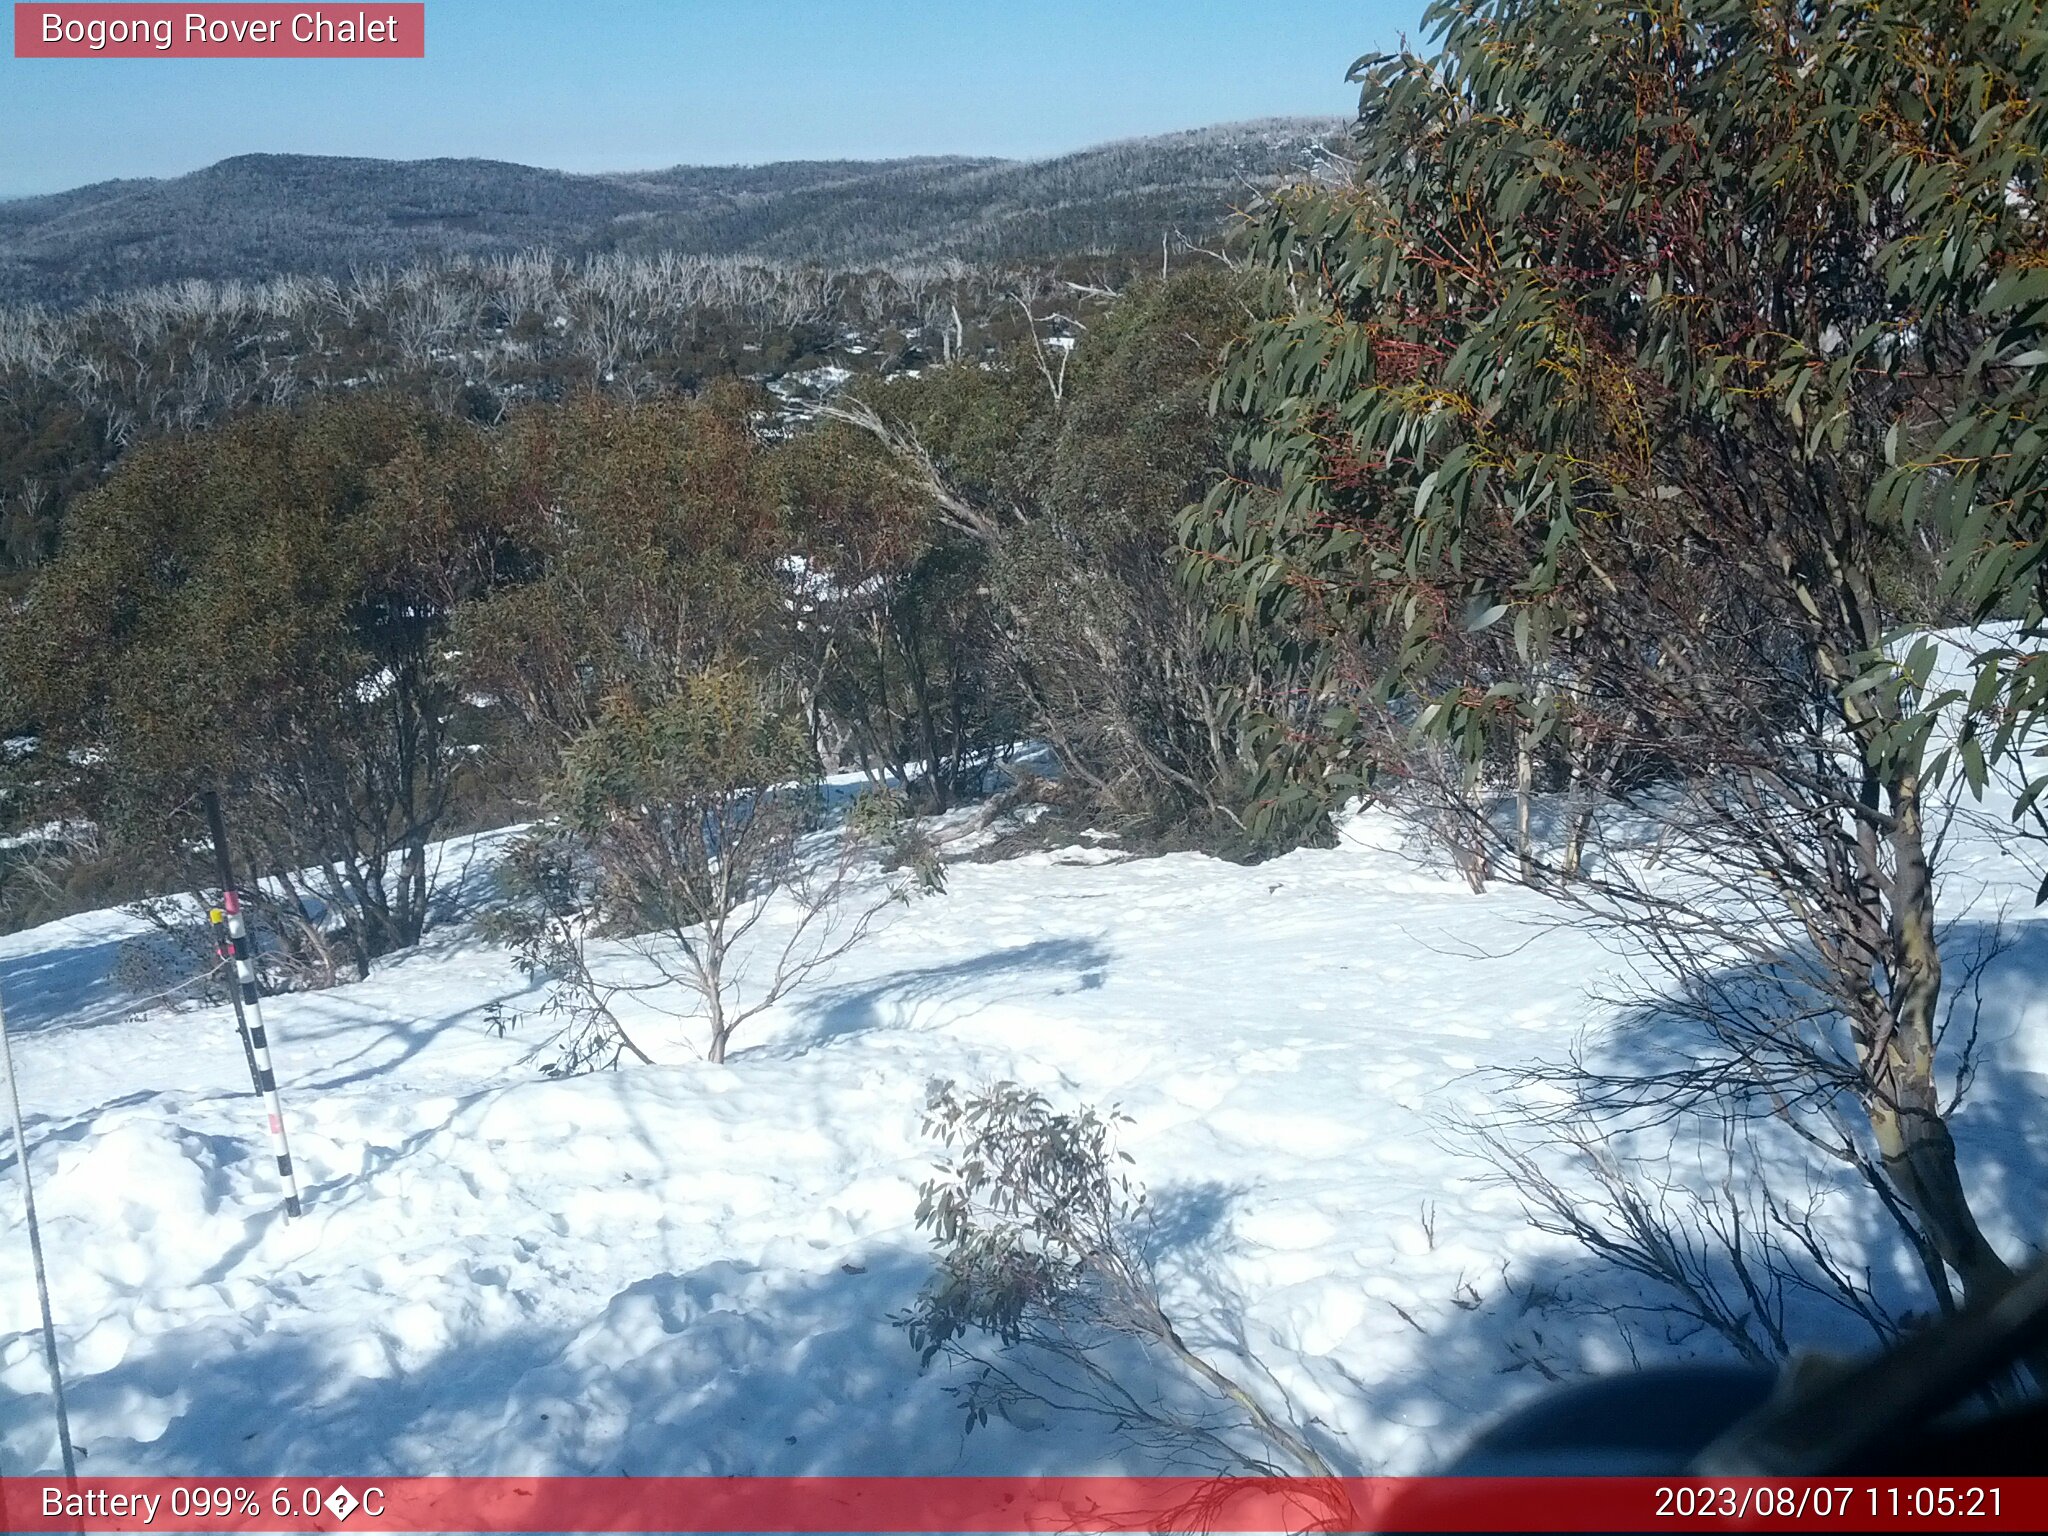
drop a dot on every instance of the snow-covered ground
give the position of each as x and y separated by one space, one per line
689 1268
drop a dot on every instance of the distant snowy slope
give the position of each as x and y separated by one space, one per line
260 216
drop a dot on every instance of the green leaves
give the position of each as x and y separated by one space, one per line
1617 290
1480 613
721 734
267 599
1030 1213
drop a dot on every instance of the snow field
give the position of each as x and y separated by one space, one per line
691 1269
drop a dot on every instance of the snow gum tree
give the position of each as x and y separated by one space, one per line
1052 479
265 609
694 807
890 622
655 537
1046 1249
1665 364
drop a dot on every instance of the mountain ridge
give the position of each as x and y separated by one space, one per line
263 215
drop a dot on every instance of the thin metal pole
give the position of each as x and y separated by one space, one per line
244 949
35 1248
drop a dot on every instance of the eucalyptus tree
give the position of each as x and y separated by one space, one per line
1664 365
265 609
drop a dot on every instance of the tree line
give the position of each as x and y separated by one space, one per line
79 388
372 619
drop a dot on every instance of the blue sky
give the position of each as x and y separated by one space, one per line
590 85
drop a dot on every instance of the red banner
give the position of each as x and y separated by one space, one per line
995 1504
243 31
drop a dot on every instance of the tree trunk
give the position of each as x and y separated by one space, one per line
1903 1098
1525 789
710 980
1580 798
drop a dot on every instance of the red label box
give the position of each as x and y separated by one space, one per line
108 29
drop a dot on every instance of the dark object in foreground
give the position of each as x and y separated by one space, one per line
1950 1400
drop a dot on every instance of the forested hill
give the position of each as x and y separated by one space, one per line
258 216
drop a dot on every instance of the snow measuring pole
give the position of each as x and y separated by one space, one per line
223 949
249 1008
35 1248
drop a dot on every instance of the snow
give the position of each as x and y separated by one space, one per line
45 832
811 582
821 379
375 686
692 1269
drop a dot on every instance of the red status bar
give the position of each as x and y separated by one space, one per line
993 1504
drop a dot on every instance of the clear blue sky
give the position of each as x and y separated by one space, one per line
590 85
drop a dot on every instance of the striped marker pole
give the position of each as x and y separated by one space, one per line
224 950
243 950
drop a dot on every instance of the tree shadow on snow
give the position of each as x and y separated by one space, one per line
1565 1315
64 988
957 989
724 1370
733 1369
1996 995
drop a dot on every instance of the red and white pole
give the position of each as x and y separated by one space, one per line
259 1044
242 949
